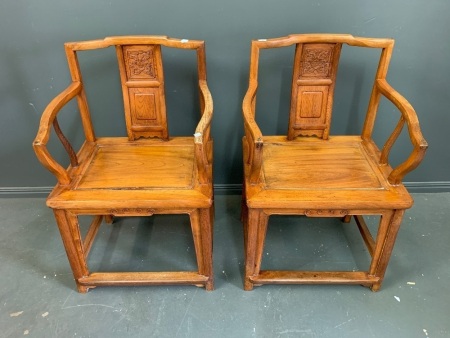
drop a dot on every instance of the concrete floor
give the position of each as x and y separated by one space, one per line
38 297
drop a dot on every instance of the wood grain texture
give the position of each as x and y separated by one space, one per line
43 135
338 164
143 278
143 174
142 76
313 82
314 277
140 167
307 172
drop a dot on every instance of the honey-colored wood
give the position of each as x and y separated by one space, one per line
150 166
142 78
309 172
142 278
313 277
143 174
365 233
90 236
315 69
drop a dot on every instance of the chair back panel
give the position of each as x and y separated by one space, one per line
314 77
142 79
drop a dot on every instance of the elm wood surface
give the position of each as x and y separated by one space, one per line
146 173
308 172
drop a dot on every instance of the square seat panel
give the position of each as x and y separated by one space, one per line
150 172
307 171
140 166
328 165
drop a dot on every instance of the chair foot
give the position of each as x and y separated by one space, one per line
209 286
375 287
83 288
248 285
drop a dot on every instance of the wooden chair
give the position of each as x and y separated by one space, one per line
143 174
310 173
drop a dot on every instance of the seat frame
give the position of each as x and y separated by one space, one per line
310 116
140 66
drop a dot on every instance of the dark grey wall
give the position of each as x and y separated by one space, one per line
33 70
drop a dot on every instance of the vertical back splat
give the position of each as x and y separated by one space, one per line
142 79
315 68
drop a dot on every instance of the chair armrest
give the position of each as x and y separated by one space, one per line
412 122
48 118
202 134
253 134
207 111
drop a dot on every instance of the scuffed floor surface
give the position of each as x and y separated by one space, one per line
38 297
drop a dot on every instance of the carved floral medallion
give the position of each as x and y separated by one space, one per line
316 61
141 63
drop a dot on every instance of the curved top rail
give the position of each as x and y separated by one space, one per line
135 40
323 38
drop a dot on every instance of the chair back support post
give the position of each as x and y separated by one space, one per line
75 73
374 101
201 62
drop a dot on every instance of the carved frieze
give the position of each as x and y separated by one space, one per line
326 213
316 60
140 62
129 211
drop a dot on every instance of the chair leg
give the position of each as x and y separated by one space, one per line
244 219
207 219
70 234
244 209
387 234
256 229
202 231
346 219
109 219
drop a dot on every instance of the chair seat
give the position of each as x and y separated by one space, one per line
308 172
147 173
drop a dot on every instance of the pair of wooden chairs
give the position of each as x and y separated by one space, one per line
308 172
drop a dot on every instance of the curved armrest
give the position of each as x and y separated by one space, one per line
202 132
207 111
43 135
252 133
410 117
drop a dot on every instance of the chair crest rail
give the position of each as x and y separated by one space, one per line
135 40
323 38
